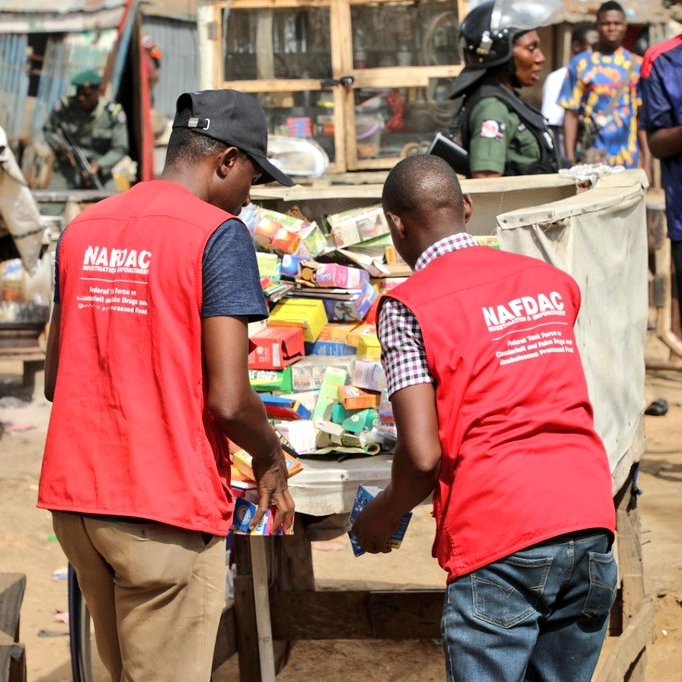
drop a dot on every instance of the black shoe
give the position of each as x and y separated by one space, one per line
658 408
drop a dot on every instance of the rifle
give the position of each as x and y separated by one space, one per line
81 159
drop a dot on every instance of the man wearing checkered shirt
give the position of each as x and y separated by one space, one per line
493 418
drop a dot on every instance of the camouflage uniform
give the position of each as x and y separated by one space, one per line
102 135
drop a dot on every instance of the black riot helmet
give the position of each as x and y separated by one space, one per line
483 47
488 31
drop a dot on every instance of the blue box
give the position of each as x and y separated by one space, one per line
364 496
244 511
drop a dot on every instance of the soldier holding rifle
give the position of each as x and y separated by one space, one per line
88 136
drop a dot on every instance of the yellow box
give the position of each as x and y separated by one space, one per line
353 337
337 332
308 314
369 348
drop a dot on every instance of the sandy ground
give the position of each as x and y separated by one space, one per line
27 546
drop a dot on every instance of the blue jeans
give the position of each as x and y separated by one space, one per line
539 614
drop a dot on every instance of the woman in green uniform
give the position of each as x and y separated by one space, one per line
502 133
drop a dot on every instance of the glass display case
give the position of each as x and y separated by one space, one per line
366 81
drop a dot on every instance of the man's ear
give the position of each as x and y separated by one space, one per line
226 160
395 221
468 208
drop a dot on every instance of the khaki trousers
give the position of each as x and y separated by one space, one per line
155 594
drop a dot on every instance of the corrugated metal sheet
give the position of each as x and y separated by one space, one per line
45 16
180 65
65 57
171 9
13 81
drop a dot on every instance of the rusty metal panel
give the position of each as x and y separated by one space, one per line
179 70
13 81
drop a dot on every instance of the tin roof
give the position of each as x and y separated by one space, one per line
46 16
185 10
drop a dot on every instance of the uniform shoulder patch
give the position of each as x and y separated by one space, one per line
116 111
492 130
63 103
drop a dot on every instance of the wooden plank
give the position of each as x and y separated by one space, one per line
245 613
247 630
261 600
272 4
388 611
12 588
226 640
357 615
630 566
402 77
342 63
270 85
629 646
12 654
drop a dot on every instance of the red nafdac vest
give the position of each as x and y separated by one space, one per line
129 433
521 461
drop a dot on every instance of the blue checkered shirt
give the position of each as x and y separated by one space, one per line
403 354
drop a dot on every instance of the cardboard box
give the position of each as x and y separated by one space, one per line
276 347
278 407
245 511
290 266
301 434
364 496
307 374
353 307
269 265
357 225
353 398
333 275
288 234
369 348
243 462
333 378
357 422
268 380
314 240
308 314
365 329
332 341
271 236
368 374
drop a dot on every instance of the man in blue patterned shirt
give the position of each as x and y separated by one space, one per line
602 90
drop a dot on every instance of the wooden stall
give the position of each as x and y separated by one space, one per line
586 234
367 81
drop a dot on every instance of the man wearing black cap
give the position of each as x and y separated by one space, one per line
147 370
98 128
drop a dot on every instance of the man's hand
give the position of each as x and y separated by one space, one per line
89 178
67 154
376 524
271 482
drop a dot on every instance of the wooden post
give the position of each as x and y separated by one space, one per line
12 653
261 598
626 659
245 613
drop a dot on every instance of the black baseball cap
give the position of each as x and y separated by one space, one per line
234 118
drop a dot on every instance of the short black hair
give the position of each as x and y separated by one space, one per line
419 184
580 31
610 6
186 145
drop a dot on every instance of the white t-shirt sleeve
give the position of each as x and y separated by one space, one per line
550 94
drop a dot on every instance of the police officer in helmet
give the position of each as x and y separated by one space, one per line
502 133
